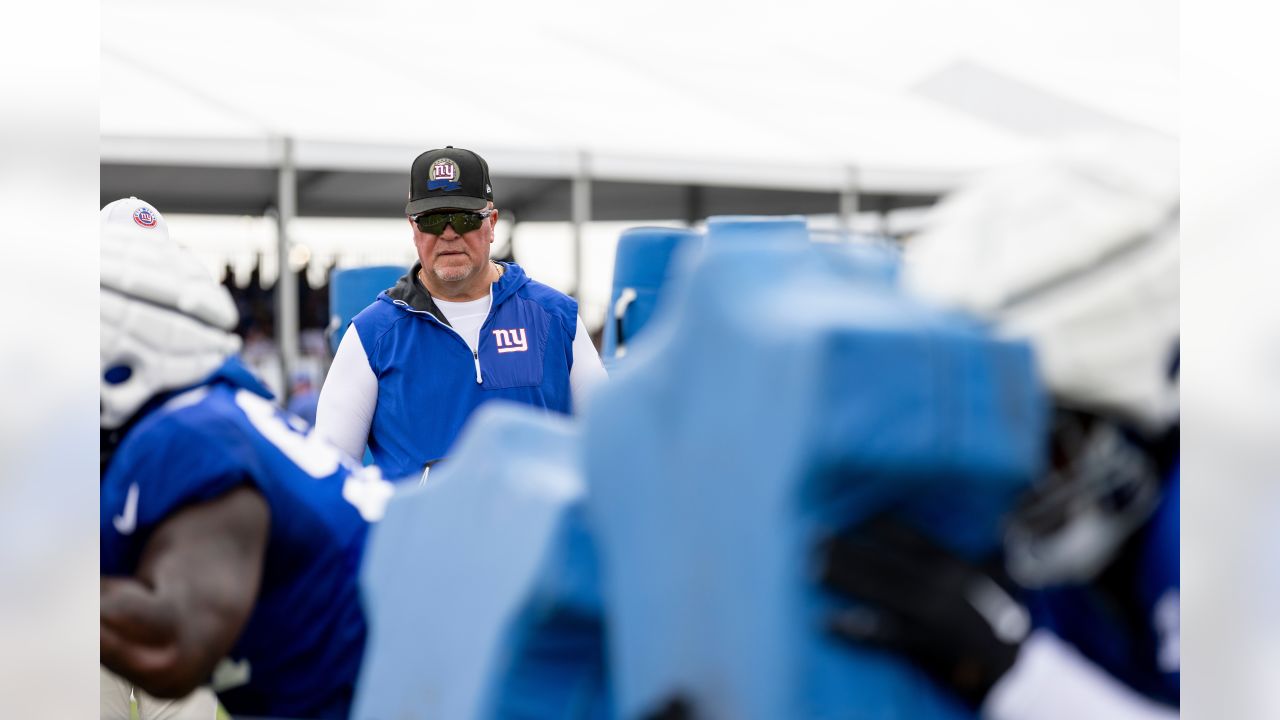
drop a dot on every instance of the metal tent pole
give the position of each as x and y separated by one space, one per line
849 199
286 283
580 211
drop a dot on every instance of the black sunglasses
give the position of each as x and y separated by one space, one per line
463 222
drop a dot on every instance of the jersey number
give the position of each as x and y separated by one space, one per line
364 488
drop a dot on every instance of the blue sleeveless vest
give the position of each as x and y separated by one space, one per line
429 381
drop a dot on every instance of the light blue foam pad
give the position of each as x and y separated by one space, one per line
641 266
467 580
781 394
351 290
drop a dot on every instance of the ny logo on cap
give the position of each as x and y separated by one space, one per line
444 175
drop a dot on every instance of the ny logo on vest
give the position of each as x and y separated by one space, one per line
511 340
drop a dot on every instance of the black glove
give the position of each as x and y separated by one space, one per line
951 618
676 707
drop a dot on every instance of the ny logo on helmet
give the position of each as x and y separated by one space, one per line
144 217
511 340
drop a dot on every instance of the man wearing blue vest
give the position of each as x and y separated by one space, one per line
456 331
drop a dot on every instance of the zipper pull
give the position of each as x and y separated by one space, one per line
476 354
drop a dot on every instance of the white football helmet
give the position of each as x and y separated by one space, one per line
1077 253
166 323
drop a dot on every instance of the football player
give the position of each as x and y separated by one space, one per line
230 537
1079 255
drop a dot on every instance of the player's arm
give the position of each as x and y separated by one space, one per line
587 370
344 412
166 628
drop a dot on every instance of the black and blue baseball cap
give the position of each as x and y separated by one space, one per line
448 179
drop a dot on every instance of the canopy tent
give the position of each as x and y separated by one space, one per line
667 107
221 175
660 110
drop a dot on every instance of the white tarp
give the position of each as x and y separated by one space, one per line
765 94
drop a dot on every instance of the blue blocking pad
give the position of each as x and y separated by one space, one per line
787 392
868 260
351 290
641 267
736 232
480 588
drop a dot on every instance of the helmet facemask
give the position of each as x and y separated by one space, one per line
1102 485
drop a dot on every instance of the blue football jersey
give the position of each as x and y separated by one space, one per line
1137 640
299 654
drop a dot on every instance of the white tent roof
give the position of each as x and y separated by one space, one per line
912 94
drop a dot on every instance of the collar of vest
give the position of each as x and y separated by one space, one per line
409 290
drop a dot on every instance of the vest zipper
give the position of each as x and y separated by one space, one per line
475 354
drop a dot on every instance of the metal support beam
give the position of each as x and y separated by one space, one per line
849 199
694 204
883 206
286 283
580 211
